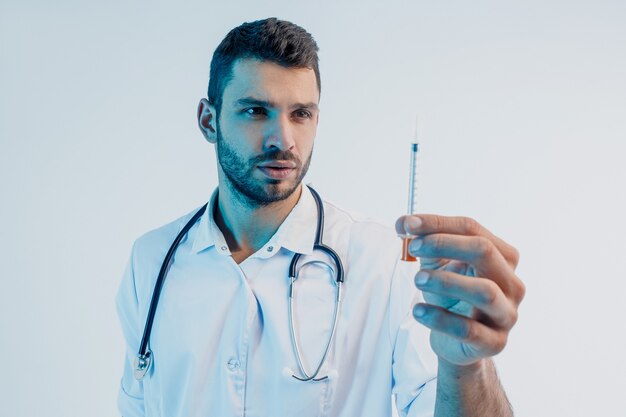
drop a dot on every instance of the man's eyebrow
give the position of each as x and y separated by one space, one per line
312 106
251 101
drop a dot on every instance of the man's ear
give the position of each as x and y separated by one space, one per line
206 120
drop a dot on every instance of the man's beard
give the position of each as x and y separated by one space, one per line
240 178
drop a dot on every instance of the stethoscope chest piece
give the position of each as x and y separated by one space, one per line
142 365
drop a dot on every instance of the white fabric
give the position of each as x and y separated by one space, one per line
221 343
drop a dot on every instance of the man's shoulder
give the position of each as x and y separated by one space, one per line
357 219
159 239
360 228
369 248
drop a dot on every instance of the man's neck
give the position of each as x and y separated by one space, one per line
247 228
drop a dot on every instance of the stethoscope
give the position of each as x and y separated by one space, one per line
143 361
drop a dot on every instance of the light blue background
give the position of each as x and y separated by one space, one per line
522 108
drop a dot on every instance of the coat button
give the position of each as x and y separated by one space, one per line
233 364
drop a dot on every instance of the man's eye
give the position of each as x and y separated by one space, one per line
255 111
303 114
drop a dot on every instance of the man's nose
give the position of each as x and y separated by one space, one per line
280 134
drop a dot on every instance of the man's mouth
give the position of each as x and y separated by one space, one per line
278 170
278 164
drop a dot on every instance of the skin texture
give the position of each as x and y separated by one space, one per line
239 172
471 290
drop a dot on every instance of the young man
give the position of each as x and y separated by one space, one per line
231 337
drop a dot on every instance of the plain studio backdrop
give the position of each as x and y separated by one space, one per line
522 108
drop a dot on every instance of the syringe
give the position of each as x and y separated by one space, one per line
412 206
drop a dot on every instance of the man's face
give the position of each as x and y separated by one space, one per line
266 129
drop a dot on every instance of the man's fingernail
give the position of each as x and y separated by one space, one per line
421 278
412 223
415 245
419 310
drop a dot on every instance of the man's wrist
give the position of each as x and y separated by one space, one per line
473 371
470 390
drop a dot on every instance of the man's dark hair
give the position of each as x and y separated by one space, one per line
273 40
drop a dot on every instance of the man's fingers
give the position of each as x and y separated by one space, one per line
482 338
426 224
481 293
477 251
407 225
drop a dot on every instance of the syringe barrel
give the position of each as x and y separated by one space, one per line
412 206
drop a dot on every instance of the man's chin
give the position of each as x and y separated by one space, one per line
266 194
279 191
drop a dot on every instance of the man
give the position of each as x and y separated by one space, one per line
222 342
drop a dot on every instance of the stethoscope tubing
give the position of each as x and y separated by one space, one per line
318 245
296 345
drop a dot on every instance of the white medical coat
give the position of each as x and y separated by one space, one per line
221 342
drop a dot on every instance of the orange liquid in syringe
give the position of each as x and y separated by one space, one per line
406 256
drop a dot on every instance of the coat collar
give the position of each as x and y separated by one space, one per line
295 234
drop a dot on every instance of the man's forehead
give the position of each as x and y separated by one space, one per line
270 82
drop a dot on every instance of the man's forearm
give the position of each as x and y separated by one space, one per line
473 391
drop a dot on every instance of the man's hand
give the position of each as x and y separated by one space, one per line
469 284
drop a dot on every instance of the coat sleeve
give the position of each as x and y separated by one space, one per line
130 397
414 365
